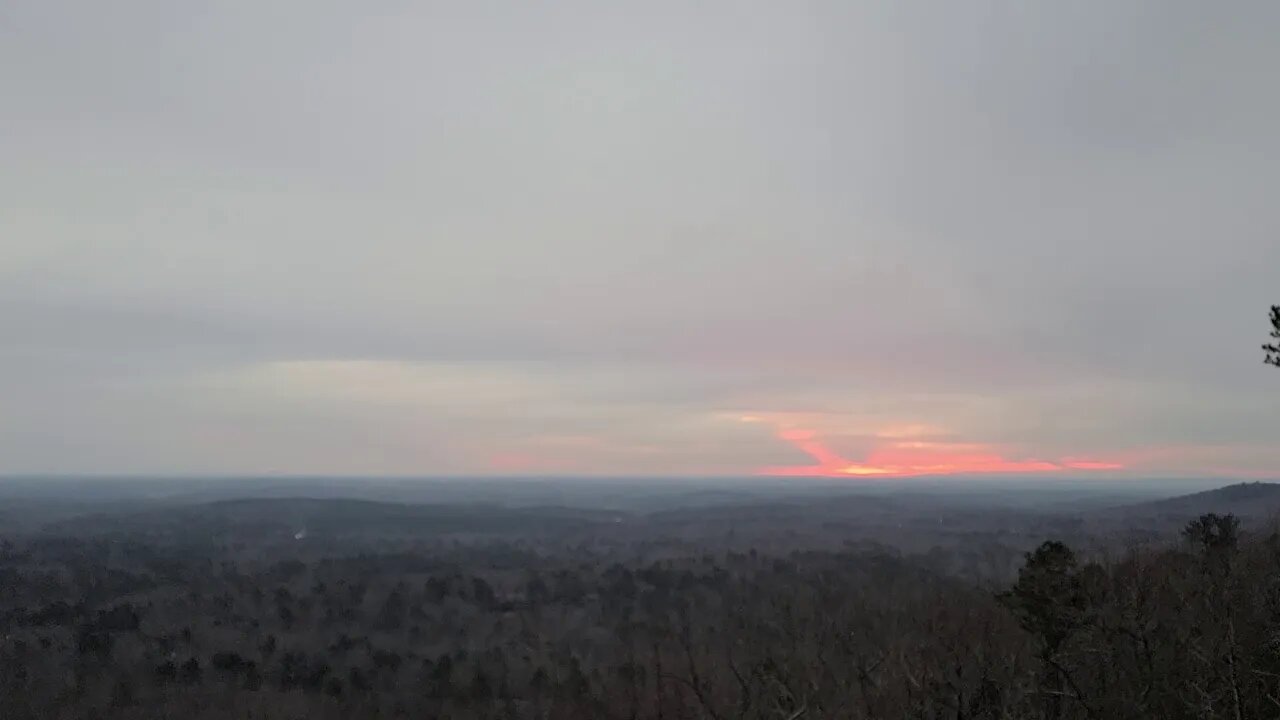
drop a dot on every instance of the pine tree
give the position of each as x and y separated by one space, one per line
1273 349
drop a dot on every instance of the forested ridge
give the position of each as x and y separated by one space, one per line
126 625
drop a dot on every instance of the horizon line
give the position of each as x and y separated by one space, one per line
824 479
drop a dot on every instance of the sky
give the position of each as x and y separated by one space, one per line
851 239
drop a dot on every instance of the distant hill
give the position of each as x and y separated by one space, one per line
285 517
1254 501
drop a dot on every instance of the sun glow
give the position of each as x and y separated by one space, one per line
905 451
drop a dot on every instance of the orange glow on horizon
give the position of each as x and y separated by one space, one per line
906 457
1091 465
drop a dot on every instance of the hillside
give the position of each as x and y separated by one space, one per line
1251 501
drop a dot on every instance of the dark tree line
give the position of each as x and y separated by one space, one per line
119 629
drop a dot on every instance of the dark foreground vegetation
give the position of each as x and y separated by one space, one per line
401 612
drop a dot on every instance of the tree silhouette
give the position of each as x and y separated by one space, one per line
1049 601
1273 349
1213 533
1048 598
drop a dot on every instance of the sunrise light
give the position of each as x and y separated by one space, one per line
900 453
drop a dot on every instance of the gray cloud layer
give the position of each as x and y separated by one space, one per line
586 236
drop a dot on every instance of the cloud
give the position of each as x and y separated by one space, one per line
898 452
1040 233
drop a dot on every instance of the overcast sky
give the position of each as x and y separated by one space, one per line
639 238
